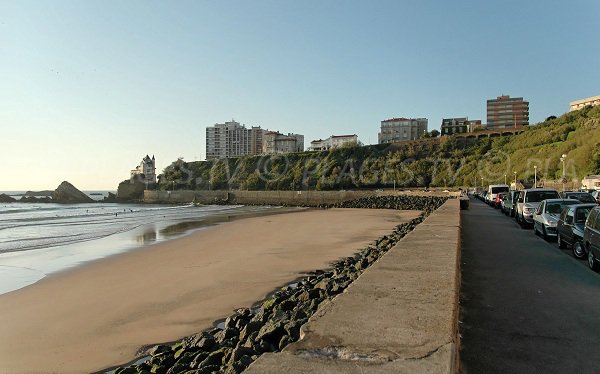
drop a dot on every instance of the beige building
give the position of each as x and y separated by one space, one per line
276 142
591 182
399 129
230 139
332 142
147 169
578 104
507 112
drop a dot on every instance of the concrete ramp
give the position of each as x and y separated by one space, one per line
399 316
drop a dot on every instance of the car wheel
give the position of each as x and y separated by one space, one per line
561 244
535 230
544 232
592 263
578 251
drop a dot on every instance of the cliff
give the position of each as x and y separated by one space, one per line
66 193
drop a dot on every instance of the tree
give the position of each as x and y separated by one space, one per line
435 133
550 118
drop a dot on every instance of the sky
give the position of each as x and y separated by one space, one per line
88 88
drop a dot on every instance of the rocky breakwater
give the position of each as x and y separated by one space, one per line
402 202
274 323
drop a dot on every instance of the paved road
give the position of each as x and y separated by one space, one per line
526 306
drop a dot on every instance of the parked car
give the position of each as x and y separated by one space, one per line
505 204
547 214
570 228
584 197
591 239
493 191
529 200
509 204
596 195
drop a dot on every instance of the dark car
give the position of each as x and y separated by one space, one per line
570 227
584 197
591 239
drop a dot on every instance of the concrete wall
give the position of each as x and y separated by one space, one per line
294 198
399 316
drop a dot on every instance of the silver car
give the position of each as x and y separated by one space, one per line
547 214
529 200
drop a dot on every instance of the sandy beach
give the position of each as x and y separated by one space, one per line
99 315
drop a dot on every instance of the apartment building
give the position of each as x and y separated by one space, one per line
399 129
507 112
332 142
230 139
579 104
459 125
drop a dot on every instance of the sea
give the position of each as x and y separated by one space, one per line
39 239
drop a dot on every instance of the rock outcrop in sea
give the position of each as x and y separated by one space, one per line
66 193
4 198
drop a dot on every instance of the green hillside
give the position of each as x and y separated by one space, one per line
446 161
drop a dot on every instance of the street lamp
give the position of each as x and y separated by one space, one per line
504 178
515 173
534 176
562 159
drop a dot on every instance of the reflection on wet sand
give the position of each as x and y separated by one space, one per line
148 236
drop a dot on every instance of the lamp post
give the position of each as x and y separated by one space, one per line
534 176
562 159
515 173
481 182
504 178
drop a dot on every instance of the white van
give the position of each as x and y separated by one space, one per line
494 190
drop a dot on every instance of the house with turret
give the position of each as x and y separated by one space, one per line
146 170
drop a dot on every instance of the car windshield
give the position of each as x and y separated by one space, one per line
499 189
583 197
556 208
582 214
537 196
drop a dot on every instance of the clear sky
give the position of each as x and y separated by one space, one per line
87 88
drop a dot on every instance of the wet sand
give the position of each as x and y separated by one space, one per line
100 314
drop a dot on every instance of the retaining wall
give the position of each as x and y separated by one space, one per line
294 198
399 316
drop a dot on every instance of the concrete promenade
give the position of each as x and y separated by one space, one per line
399 316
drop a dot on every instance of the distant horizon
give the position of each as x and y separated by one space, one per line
90 88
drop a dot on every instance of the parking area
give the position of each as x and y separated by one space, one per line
526 305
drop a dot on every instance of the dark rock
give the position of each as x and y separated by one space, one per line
251 327
198 359
204 341
240 351
272 333
126 370
214 358
66 193
4 198
159 350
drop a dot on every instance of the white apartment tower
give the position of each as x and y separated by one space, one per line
230 139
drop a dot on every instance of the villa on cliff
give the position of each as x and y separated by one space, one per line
146 170
332 142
